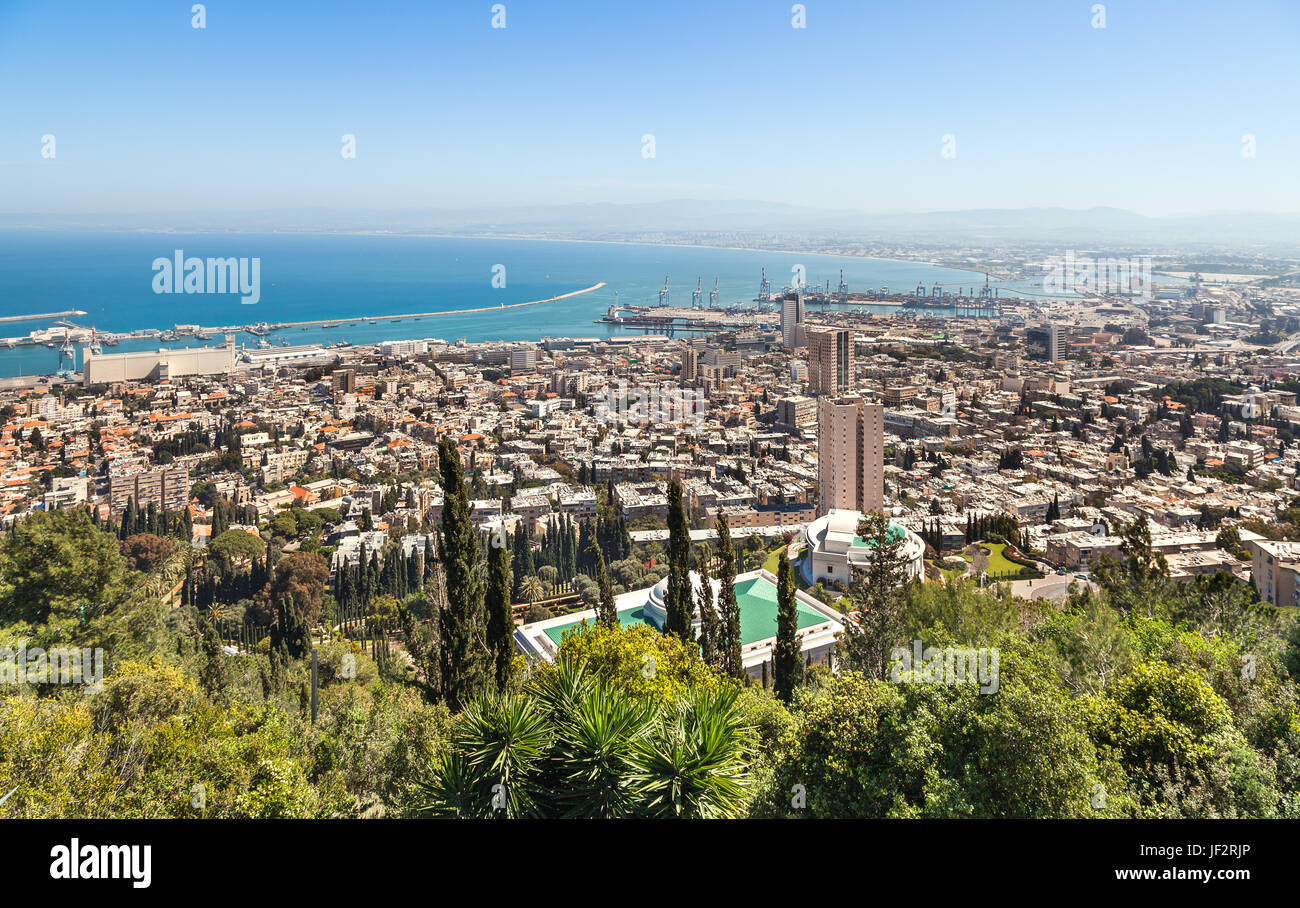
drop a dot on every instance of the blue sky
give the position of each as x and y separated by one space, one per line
1146 114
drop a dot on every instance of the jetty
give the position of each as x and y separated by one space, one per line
42 315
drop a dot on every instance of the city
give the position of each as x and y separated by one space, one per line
594 418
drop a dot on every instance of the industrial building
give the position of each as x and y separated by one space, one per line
101 368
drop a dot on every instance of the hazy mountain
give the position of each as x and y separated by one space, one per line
737 222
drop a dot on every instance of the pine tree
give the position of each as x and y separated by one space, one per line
677 599
463 649
787 666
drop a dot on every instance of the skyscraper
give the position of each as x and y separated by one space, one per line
850 453
1044 342
792 328
690 364
830 360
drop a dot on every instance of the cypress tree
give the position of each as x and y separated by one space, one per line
786 664
677 599
709 629
606 612
729 649
500 619
464 656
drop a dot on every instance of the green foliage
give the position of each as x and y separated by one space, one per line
638 660
59 565
575 745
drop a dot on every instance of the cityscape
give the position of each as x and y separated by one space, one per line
576 494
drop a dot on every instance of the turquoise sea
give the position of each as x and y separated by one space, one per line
311 277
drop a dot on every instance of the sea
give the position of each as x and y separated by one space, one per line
351 278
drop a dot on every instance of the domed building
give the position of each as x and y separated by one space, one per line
835 549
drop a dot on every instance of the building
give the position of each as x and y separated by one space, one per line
818 624
792 324
835 550
796 412
1275 569
523 359
400 349
690 364
100 368
850 454
830 360
344 380
167 488
1044 342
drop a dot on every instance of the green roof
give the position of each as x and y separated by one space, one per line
757 600
893 534
626 617
756 597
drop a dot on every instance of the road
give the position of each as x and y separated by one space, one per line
1053 587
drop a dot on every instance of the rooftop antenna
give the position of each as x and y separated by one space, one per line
843 290
764 288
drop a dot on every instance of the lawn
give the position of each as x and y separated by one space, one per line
773 561
998 562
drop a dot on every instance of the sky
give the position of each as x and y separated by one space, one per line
1033 105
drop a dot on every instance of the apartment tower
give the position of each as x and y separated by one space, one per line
850 453
830 360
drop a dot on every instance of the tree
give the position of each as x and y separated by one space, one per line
1137 581
870 748
678 603
237 545
500 616
144 551
301 576
463 634
710 629
532 589
606 612
728 641
576 744
787 661
878 592
58 564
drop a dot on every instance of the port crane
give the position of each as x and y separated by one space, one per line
663 294
713 295
67 353
695 297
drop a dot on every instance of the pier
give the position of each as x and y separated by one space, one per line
41 315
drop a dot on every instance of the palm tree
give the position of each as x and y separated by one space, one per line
531 588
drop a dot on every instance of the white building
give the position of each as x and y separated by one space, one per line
835 549
755 595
